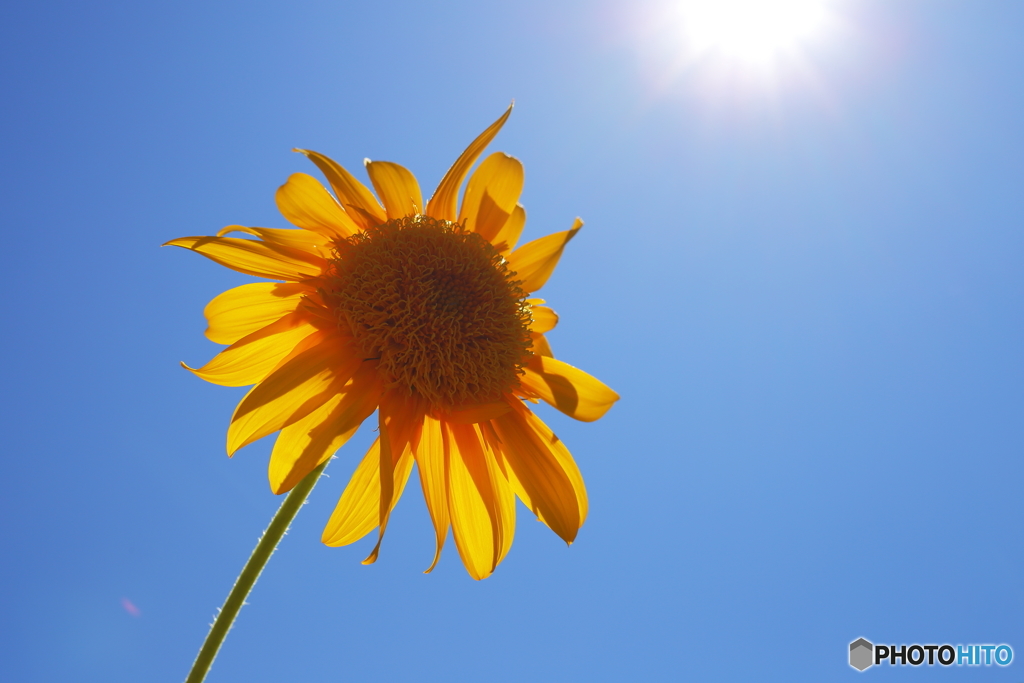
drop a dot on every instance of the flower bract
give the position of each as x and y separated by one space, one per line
424 314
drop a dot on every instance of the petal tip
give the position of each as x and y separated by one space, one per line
372 557
437 557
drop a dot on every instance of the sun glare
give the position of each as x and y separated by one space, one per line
753 31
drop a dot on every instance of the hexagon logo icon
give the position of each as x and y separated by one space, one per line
862 654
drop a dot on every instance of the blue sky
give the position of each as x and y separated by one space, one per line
805 282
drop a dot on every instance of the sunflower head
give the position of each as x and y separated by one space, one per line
419 314
436 306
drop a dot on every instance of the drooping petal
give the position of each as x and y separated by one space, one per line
491 195
303 445
478 499
504 492
506 239
548 488
535 261
254 257
400 421
431 456
242 310
543 435
295 389
442 205
492 443
569 389
252 357
396 187
355 198
304 202
304 240
358 509
480 412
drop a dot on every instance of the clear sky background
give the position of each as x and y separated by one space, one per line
802 274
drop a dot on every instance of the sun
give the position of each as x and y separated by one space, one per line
750 31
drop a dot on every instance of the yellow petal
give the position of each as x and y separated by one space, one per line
303 445
295 389
430 461
540 347
504 493
355 198
543 319
480 412
400 421
296 239
396 187
442 205
304 202
252 357
491 195
506 239
549 490
492 443
569 389
547 439
245 309
254 257
535 261
478 497
358 509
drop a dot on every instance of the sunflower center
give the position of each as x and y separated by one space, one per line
436 305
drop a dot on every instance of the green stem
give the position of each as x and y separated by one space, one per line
250 572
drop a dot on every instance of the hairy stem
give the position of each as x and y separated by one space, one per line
250 572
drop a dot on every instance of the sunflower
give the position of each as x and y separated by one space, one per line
423 314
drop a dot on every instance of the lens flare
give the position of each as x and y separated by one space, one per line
130 607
